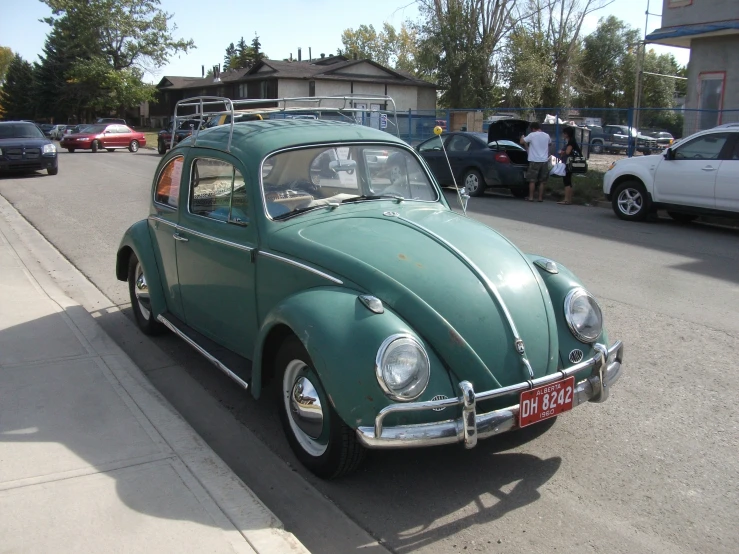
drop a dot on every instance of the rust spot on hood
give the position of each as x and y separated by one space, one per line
456 338
402 256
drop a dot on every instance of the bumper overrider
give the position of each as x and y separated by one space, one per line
605 369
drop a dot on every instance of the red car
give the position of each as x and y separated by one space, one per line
100 136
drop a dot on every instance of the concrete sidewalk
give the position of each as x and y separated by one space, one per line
92 458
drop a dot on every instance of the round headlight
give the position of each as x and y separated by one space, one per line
402 367
583 315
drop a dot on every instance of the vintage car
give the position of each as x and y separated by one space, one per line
358 297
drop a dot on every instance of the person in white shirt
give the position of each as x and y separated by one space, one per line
537 142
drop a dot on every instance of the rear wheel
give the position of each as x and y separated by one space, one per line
472 181
161 148
682 217
630 201
319 438
134 146
110 149
138 290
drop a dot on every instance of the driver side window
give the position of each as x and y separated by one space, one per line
218 191
706 147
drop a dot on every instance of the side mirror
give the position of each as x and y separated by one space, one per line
464 198
669 154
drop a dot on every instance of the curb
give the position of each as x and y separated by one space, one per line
258 526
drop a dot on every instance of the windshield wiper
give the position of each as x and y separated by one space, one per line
372 197
295 212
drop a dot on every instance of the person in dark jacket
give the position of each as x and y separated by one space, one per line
571 149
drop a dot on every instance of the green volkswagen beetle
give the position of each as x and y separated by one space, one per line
290 253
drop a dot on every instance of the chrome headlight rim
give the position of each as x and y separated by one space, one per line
384 347
571 296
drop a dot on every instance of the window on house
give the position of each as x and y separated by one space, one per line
710 98
311 88
243 90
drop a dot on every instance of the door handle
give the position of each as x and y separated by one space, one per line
179 237
708 168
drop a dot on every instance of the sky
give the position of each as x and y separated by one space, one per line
282 26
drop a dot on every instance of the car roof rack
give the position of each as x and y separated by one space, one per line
205 107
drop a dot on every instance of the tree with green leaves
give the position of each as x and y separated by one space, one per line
389 47
6 56
122 39
459 41
16 94
230 55
243 55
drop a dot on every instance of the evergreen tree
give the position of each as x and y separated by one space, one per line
256 50
229 57
16 94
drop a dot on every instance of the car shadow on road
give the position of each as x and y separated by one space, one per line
711 248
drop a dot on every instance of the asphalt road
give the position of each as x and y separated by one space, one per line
654 469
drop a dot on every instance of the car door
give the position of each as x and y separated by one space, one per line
727 177
163 228
462 152
688 178
108 136
215 245
433 154
124 136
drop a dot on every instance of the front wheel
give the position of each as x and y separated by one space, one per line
597 147
95 146
138 290
161 148
319 438
70 150
52 170
472 181
134 146
630 201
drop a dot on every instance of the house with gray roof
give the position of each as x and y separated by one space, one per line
324 76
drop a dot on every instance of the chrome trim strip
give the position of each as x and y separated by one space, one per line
606 366
214 239
302 266
162 220
492 289
212 359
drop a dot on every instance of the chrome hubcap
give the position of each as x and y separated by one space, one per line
630 201
303 407
471 182
141 289
134 146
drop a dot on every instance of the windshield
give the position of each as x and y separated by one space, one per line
20 130
94 128
302 180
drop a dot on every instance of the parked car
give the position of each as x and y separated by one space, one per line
663 138
23 147
503 127
475 163
46 128
615 138
185 128
57 132
100 136
698 175
375 315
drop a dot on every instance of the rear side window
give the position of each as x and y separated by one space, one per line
218 191
168 185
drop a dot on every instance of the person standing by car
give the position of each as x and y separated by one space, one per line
571 149
537 142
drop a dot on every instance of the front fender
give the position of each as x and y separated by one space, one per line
342 337
559 285
137 239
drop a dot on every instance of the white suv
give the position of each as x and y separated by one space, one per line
698 175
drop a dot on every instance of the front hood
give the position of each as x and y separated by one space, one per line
24 142
421 278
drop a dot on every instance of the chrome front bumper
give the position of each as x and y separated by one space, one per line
605 369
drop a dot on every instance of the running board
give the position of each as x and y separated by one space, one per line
210 357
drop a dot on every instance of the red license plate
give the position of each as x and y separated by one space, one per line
546 401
